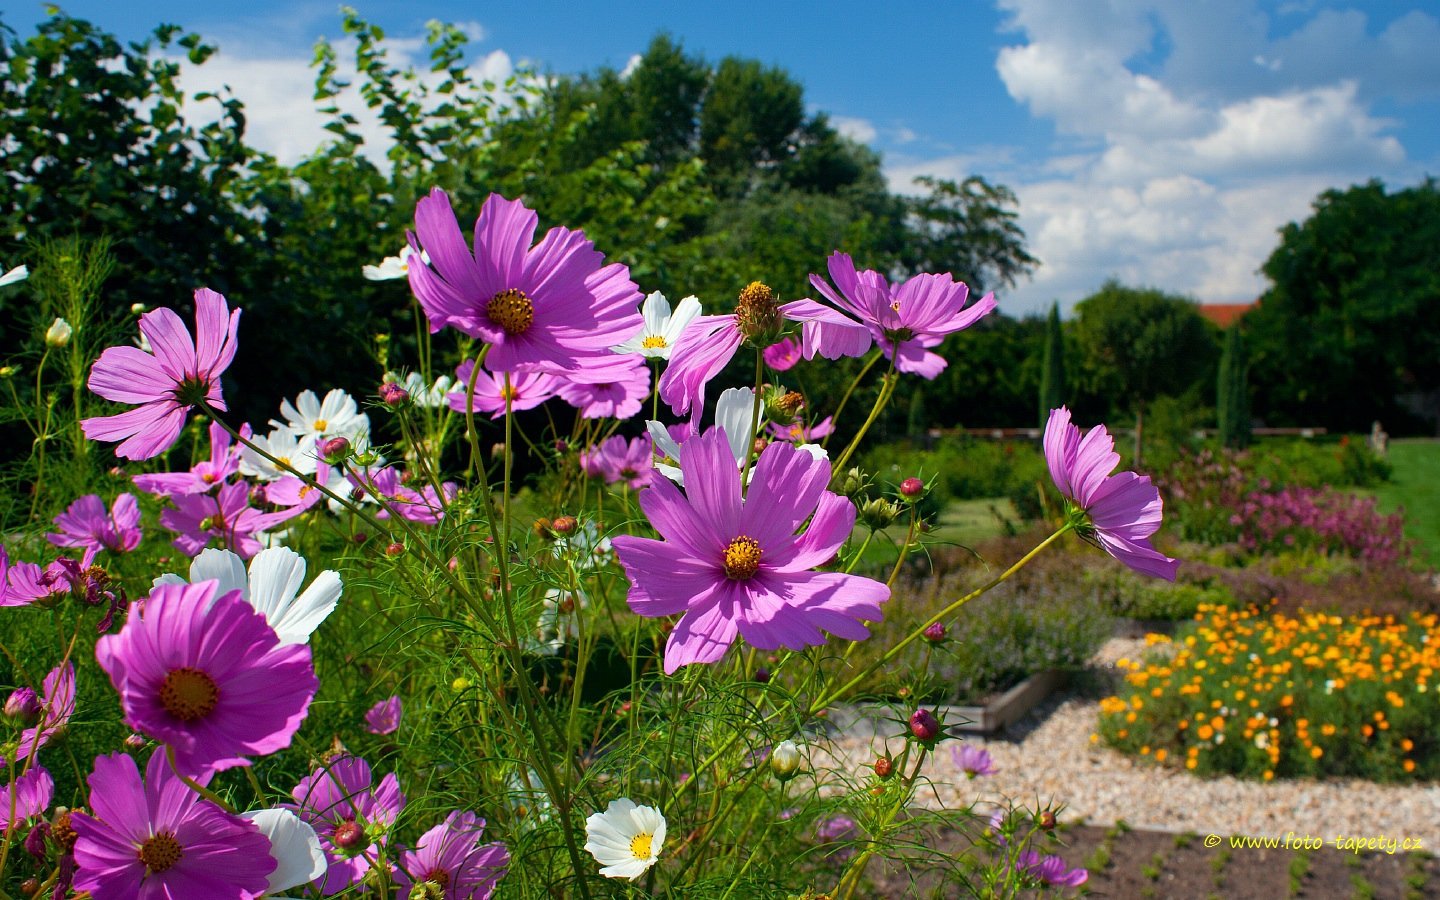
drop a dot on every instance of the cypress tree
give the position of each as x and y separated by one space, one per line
1052 370
1232 400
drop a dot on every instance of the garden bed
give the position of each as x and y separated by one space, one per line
989 716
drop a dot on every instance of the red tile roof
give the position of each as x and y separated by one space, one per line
1225 314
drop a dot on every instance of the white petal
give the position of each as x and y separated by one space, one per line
656 312
662 440
294 845
275 578
222 566
732 413
313 606
688 311
19 273
168 578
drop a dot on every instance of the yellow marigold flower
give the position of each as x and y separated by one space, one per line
1407 745
1408 765
1317 752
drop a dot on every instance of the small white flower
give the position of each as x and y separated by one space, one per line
17 274
558 623
295 450
1262 740
392 267
625 839
336 416
273 588
662 327
293 845
58 334
785 760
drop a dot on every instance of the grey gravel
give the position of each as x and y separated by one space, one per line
1048 758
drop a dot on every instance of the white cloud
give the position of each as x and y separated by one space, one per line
631 65
282 118
855 129
1188 136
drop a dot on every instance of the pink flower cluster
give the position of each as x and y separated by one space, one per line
1323 519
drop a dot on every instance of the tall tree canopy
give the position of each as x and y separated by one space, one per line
1352 318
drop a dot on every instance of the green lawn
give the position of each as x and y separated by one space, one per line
964 523
1415 485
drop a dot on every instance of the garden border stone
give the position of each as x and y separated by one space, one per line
990 718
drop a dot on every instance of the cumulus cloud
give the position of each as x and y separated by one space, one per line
1189 133
283 119
855 129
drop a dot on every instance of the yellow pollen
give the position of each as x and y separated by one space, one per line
640 845
321 425
797 431
654 342
160 851
511 310
508 392
283 460
208 478
895 305
742 558
189 694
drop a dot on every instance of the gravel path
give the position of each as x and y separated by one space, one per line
1048 757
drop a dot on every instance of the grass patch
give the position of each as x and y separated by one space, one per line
1415 484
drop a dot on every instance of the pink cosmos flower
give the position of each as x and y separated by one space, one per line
350 814
613 389
57 705
734 565
704 349
905 320
973 760
224 461
87 525
424 506
164 383
800 433
548 306
384 717
451 856
24 583
526 390
226 517
1050 869
1120 511
616 459
783 356
160 839
208 676
29 798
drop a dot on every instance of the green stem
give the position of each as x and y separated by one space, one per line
864 370
887 389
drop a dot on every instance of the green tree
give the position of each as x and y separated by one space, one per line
1232 398
1141 343
1052 366
1352 318
968 229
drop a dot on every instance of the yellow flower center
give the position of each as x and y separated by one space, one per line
283 460
742 558
160 852
654 342
321 425
511 310
189 694
640 845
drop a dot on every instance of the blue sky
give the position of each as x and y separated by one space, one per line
1162 142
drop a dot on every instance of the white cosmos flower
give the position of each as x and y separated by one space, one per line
296 450
272 587
393 266
17 274
431 397
662 327
625 839
336 416
293 845
732 413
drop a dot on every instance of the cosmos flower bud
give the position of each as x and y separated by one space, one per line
884 767
30 887
334 450
58 334
1047 820
762 675
137 308
879 512
564 524
23 705
854 483
134 741
785 760
934 632
35 841
544 528
348 835
394 549
912 488
924 726
392 394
